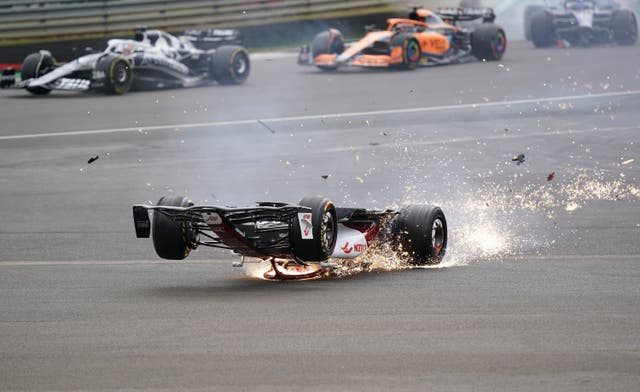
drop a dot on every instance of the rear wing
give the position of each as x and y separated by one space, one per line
204 216
452 15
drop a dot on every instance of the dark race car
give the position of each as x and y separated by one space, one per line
300 241
154 59
424 38
580 23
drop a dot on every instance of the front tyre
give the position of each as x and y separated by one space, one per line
488 42
529 11
117 73
327 42
230 65
421 234
411 51
542 30
172 239
624 26
36 65
324 230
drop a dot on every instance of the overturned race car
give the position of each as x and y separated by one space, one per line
425 38
299 241
580 23
154 59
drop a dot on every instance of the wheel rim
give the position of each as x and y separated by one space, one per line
413 52
499 43
328 228
122 74
437 236
240 65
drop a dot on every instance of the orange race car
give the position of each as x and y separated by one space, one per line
425 38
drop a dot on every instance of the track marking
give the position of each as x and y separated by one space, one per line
484 138
478 105
220 261
105 262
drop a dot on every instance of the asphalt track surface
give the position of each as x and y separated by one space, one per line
539 290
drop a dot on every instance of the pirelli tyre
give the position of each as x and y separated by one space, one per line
542 31
172 239
488 42
315 242
36 65
624 26
410 50
230 64
327 42
529 11
420 233
116 73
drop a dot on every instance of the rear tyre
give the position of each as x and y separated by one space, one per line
34 66
421 234
230 65
327 42
625 27
529 11
172 238
542 33
118 74
410 50
324 229
488 42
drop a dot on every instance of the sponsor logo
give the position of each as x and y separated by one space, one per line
212 218
148 60
98 75
306 227
355 248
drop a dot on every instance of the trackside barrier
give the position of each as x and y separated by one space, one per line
28 21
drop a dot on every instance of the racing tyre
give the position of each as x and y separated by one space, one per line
421 233
230 65
410 50
529 11
625 27
172 238
36 65
118 74
488 42
327 42
542 33
324 229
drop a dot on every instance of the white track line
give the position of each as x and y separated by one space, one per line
504 136
222 261
105 262
325 116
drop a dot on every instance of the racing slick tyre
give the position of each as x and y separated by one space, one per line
542 33
172 238
410 50
421 233
117 73
327 42
624 26
34 66
529 11
324 230
488 42
230 65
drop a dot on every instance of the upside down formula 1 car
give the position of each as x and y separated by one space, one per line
299 241
154 59
580 23
425 38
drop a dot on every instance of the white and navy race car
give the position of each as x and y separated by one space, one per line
300 241
580 23
154 59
